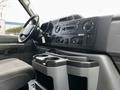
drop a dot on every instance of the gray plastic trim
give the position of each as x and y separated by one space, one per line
109 77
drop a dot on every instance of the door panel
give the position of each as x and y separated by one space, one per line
10 48
8 39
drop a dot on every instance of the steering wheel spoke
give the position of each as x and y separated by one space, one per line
28 29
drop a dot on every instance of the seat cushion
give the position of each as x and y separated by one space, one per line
14 74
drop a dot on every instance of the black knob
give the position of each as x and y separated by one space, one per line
75 40
88 26
57 29
59 40
66 41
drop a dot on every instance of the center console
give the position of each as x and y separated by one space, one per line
79 54
76 71
66 73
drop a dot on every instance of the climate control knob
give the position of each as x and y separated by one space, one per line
75 40
88 26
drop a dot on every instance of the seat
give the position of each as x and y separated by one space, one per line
14 74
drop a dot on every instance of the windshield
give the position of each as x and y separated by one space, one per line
54 9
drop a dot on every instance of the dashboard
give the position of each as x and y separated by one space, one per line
73 33
78 33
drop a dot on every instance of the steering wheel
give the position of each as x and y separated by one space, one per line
28 29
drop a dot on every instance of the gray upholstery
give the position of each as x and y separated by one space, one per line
14 74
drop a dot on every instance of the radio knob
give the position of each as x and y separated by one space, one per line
88 26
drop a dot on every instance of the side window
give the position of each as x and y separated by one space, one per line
12 17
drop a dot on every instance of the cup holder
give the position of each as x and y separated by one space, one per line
39 55
42 55
52 58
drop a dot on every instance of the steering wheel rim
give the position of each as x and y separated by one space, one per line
22 36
